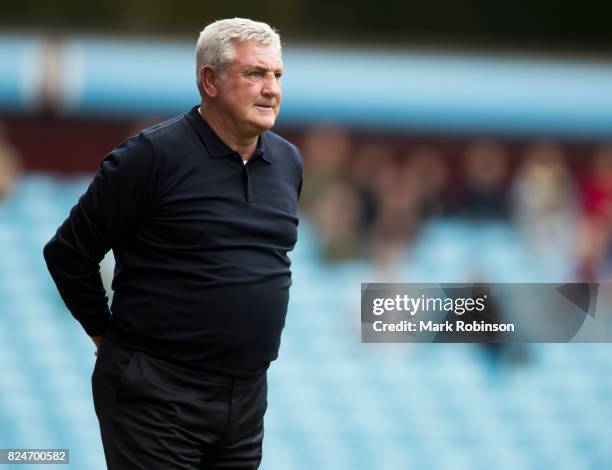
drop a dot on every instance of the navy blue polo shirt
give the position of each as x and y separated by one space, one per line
200 241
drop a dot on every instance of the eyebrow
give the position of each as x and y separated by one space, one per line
263 68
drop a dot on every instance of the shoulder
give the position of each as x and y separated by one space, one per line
141 152
146 139
153 144
165 131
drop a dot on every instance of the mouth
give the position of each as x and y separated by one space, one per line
264 106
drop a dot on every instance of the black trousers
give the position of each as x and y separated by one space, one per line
158 415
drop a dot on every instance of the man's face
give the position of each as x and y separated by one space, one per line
249 93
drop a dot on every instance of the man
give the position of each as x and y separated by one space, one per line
200 212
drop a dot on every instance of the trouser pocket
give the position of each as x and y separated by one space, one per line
111 364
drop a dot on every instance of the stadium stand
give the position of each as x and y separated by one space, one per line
334 403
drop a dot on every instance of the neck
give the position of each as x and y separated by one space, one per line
245 146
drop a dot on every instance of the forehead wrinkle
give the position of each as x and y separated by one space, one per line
258 58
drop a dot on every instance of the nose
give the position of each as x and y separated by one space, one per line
272 87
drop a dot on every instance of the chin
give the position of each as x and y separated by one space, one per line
264 124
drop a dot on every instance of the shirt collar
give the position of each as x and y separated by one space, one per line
215 147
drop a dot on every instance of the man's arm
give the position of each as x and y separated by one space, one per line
108 212
300 160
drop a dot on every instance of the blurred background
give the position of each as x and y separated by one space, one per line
454 142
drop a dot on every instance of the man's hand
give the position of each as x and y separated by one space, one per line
97 340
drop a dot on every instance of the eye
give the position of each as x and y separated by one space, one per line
278 75
255 73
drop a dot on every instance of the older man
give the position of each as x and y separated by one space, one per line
200 212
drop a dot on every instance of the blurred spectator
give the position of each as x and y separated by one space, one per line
543 198
10 164
326 150
368 160
485 170
398 201
431 172
596 226
337 216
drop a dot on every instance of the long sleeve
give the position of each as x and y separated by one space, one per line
109 211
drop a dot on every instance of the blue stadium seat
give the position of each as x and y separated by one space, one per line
334 403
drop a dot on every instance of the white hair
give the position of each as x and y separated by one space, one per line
216 42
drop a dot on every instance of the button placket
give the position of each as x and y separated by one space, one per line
246 182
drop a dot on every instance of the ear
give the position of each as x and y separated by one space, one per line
208 78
